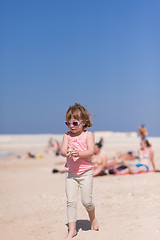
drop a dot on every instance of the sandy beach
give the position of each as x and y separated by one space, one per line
33 201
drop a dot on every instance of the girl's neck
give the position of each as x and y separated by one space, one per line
77 134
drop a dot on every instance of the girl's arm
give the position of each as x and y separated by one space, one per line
64 146
90 151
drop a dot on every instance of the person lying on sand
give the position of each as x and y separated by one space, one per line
146 156
117 161
32 155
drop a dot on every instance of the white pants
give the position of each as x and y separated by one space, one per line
73 182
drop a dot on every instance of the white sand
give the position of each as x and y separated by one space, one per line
33 202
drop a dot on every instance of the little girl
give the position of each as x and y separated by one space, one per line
78 148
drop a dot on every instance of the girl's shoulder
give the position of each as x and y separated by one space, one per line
89 135
66 135
88 132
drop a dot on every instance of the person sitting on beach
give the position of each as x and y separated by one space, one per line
53 145
98 160
146 156
143 131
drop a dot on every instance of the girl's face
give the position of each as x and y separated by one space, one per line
75 126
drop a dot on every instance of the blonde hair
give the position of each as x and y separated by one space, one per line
80 113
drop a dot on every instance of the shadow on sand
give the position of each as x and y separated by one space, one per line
85 225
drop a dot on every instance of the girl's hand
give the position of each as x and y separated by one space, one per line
75 153
69 155
69 152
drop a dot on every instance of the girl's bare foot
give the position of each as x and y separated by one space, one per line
94 225
72 230
71 234
93 220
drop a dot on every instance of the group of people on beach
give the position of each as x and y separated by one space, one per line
84 160
127 163
122 164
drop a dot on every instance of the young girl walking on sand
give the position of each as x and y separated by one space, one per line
78 148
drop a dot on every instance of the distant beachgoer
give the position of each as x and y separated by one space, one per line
78 148
55 170
146 156
53 145
31 155
143 131
99 160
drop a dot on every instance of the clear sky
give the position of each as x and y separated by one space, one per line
102 54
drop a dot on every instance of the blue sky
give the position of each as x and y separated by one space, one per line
102 54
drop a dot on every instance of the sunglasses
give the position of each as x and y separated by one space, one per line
75 123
